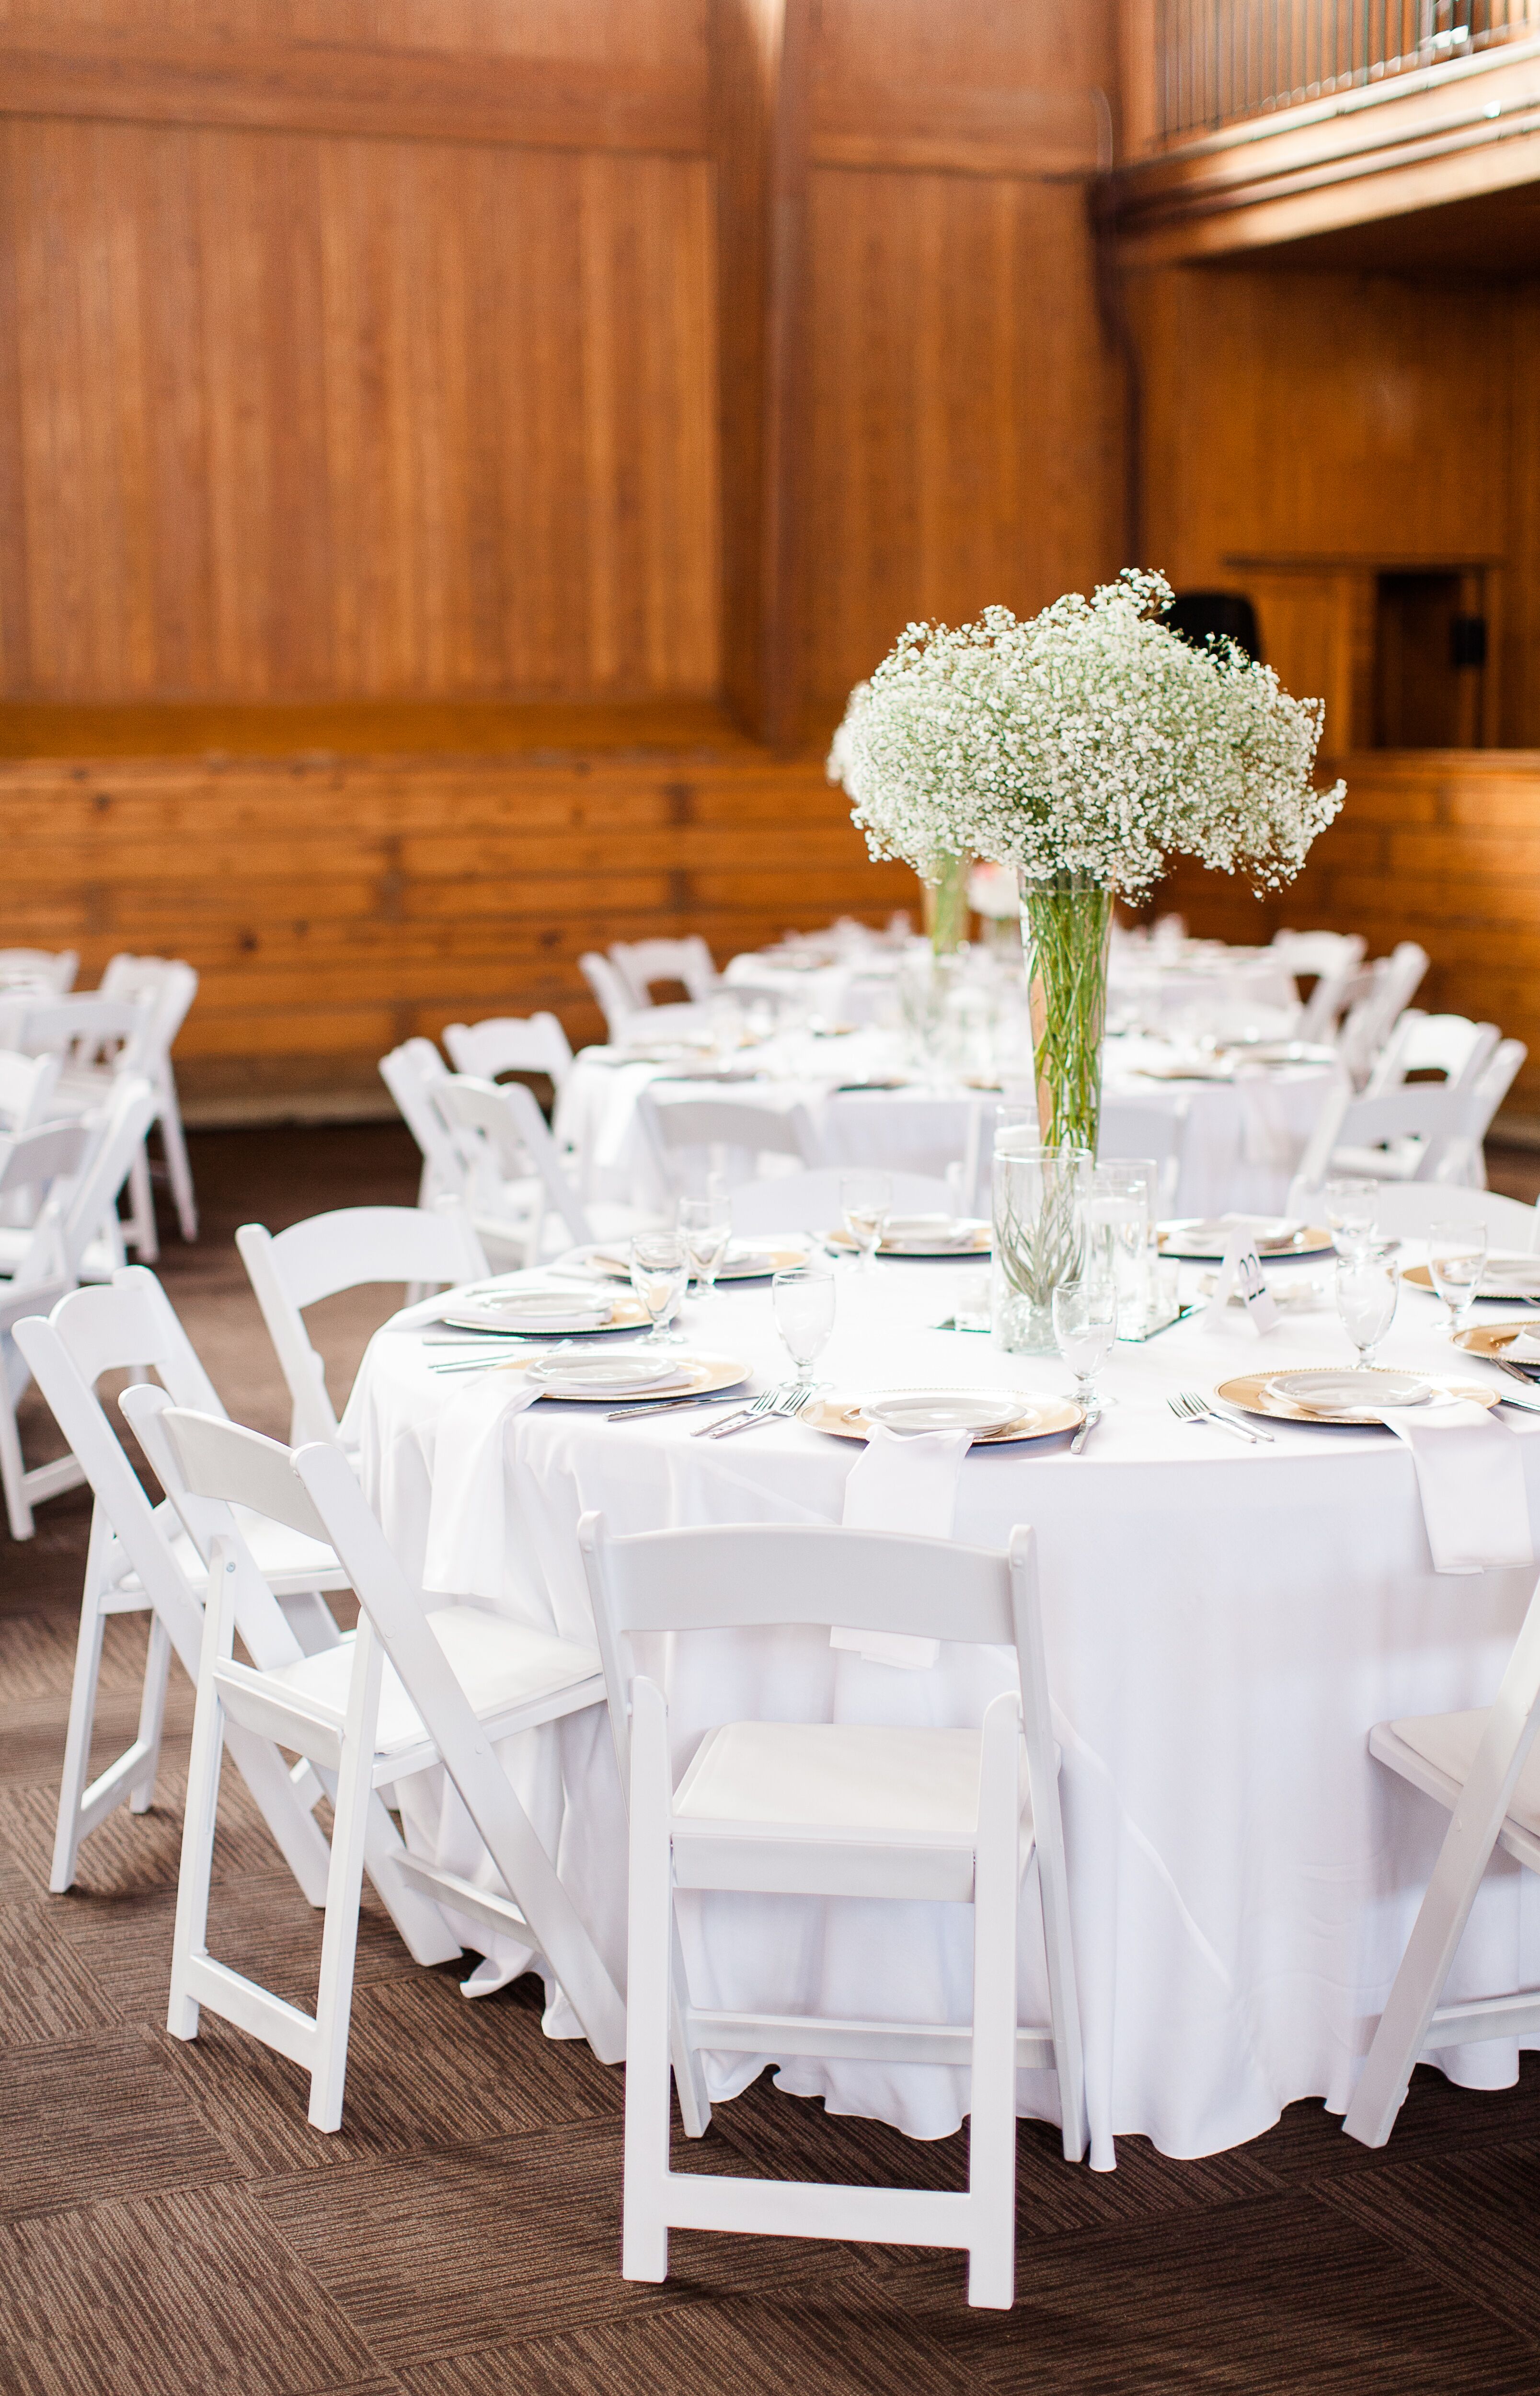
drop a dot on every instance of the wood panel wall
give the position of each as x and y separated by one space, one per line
335 905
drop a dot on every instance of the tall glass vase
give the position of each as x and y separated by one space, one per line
1040 1198
1066 933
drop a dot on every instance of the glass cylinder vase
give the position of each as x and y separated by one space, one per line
1066 935
1040 1196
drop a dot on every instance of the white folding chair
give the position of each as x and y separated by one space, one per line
517 1170
408 1691
26 1087
51 970
1142 1127
1333 958
1481 1765
48 1259
168 985
1377 996
140 1560
1449 1044
411 1073
616 1003
640 963
810 1202
833 1810
1465 1158
1401 1135
427 1248
690 1135
510 1043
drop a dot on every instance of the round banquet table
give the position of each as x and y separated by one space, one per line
1223 1624
1246 1126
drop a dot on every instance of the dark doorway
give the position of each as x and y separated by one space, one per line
1429 659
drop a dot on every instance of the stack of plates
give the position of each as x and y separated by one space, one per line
1203 1238
1339 1394
926 1235
600 1380
996 1417
537 1313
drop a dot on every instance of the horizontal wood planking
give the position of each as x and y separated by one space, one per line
334 907
1438 847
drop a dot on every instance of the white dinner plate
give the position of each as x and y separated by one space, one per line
745 1260
921 1410
607 1376
925 1235
1502 1277
539 1311
1202 1239
1350 1391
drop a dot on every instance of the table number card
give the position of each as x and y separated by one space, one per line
1240 1271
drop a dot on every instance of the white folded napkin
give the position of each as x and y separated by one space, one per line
902 1484
464 1554
1525 1350
1470 1478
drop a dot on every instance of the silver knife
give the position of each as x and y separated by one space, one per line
668 1405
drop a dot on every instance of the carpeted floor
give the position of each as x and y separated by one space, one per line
172 2225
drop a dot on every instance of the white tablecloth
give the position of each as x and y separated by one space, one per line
1243 1140
1223 1624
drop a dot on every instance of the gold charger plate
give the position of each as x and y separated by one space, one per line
706 1376
1492 1286
629 1314
781 1254
978 1244
1249 1391
1044 1417
1310 1240
1492 1339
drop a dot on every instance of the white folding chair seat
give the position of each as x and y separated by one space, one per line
1484 1768
84 1166
139 1558
810 1202
823 1810
426 1248
462 1683
510 1044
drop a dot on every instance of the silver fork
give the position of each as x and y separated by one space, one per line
1190 1407
751 1413
789 1399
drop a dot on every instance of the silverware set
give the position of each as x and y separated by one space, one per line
1190 1408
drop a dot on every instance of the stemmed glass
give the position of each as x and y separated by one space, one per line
1456 1259
803 1298
1368 1284
705 1227
659 1270
1085 1324
1350 1207
865 1200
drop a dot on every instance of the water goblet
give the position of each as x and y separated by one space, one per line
705 1227
1456 1259
1350 1207
802 1300
659 1270
1368 1284
865 1200
1085 1324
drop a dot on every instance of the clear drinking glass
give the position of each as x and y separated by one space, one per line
659 1270
1085 1324
1350 1207
803 1300
1121 1222
865 1200
1367 1287
1456 1258
705 1228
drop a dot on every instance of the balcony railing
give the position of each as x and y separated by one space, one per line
1217 61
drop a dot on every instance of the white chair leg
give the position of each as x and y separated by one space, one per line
68 1830
190 1933
645 2236
991 2127
177 1165
344 1884
157 1671
13 1472
141 1225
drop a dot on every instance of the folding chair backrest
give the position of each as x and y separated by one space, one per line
640 963
810 1202
42 969
46 1165
510 1043
1450 1045
1393 982
1427 1110
518 1138
759 1575
166 985
83 1026
616 1003
676 1125
26 1085
411 1073
125 1115
293 1269
1138 1127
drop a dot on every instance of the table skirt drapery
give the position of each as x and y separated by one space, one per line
1223 1627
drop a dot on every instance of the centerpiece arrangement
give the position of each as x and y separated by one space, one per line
1084 748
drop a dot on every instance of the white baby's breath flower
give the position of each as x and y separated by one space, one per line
1088 740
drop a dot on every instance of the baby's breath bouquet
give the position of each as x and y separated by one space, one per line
1085 748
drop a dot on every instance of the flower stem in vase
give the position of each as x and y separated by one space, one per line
1066 932
946 903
